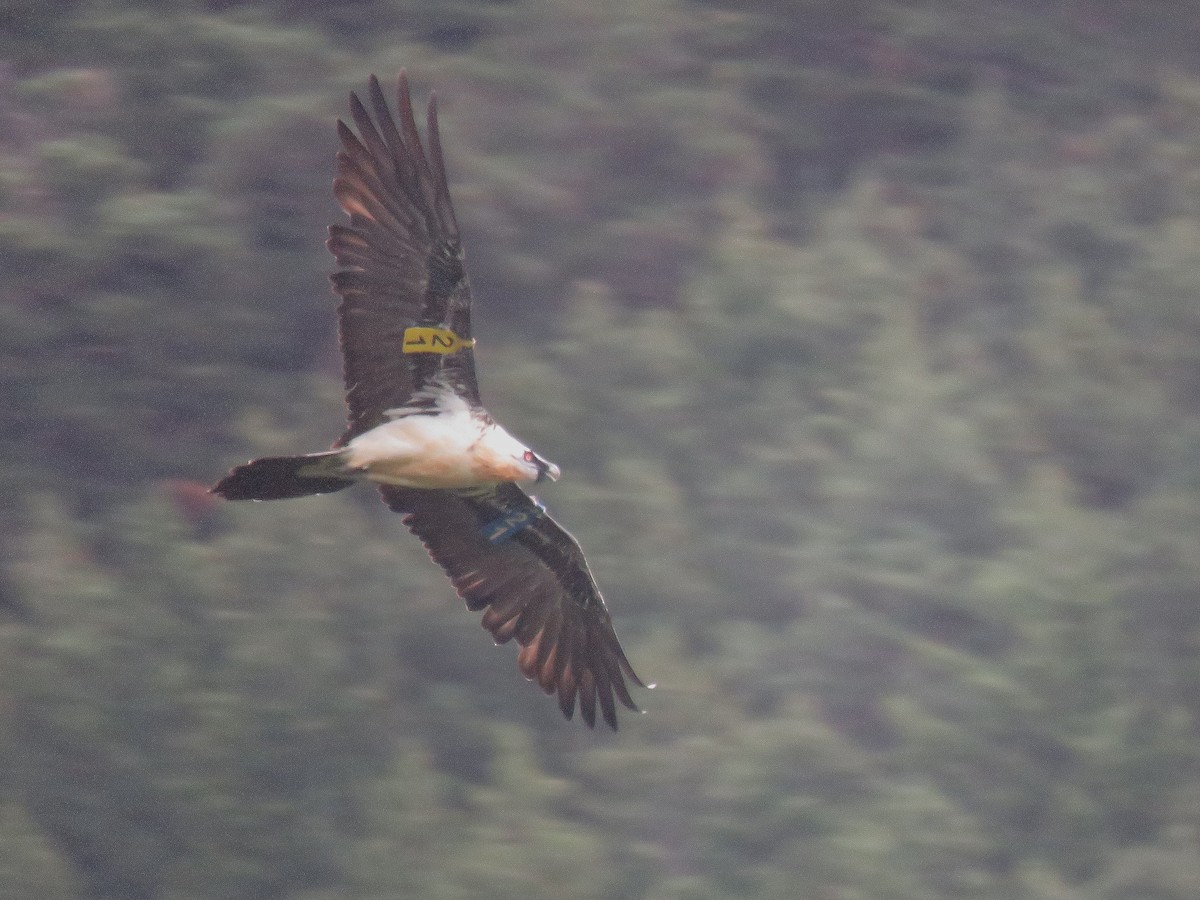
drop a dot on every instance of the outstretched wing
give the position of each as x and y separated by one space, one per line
505 554
401 259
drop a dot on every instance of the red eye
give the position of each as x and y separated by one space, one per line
529 457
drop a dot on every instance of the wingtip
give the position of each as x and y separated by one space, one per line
345 133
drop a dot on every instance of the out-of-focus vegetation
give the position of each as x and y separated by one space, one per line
867 334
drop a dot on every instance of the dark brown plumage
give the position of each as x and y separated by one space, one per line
401 265
535 588
401 259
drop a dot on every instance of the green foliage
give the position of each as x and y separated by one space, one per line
157 735
869 348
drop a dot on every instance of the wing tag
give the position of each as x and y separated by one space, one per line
501 529
423 339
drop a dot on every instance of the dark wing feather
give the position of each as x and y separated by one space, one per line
534 587
401 260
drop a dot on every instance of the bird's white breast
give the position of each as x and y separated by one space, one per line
452 448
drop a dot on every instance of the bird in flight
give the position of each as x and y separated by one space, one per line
417 427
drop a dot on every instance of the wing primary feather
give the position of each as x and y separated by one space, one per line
567 692
352 250
412 141
385 161
529 623
604 694
386 123
618 684
375 145
527 659
441 185
497 618
364 199
476 601
361 172
548 682
354 161
504 632
352 147
627 666
567 681
399 154
367 180
547 642
505 600
587 697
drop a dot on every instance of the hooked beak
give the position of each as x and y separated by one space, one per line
547 470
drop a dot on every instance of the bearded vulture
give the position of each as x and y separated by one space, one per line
417 427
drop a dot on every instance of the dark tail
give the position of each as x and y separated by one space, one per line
281 477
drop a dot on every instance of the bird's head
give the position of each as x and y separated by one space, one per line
501 457
539 469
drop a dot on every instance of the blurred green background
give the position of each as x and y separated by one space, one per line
867 336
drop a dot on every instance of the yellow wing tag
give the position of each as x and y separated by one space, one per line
422 339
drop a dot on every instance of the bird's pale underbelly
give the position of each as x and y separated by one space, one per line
427 452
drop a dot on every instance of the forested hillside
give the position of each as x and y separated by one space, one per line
867 335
